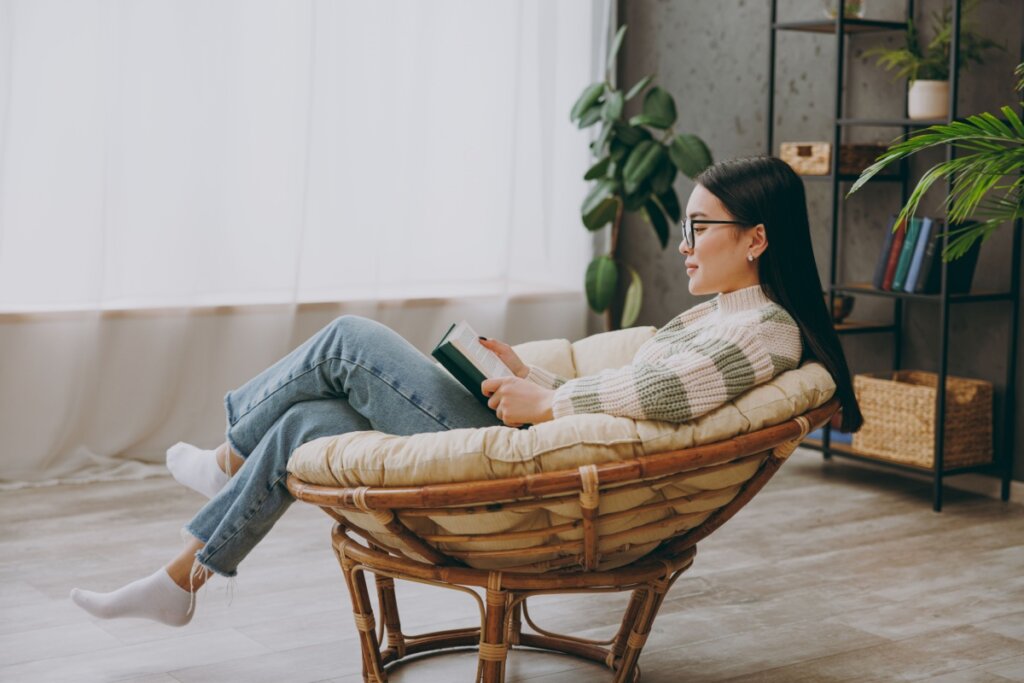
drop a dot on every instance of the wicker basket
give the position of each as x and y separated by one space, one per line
899 418
815 158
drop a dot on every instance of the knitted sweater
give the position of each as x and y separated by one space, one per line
702 358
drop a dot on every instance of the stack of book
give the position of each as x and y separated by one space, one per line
910 260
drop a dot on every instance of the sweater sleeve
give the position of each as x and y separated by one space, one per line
548 380
709 371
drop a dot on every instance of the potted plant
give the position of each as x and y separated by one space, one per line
637 161
988 184
927 66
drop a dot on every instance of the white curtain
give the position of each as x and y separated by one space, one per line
189 188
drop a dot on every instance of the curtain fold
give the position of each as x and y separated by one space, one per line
188 189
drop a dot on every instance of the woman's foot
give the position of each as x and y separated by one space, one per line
155 597
198 469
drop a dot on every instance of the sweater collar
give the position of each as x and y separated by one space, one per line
742 299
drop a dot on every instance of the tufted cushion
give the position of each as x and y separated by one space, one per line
372 458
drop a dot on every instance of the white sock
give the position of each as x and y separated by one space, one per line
154 597
196 468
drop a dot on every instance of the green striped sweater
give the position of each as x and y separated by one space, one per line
702 358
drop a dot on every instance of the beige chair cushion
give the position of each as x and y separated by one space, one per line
372 458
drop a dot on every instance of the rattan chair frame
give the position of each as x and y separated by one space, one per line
506 591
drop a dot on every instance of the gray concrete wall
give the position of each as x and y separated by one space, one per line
712 55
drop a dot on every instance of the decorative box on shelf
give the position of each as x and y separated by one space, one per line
815 158
899 418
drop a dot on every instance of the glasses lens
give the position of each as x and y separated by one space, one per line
688 232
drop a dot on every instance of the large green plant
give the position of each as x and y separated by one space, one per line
986 172
931 61
637 162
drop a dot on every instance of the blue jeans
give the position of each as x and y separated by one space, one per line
355 374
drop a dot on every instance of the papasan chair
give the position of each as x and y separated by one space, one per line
585 503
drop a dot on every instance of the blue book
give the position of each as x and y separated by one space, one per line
837 436
918 256
903 265
928 279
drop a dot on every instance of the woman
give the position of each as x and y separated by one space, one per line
746 238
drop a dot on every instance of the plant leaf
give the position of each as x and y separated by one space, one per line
640 164
598 193
616 44
657 219
601 281
590 117
612 106
586 100
663 176
630 135
670 204
643 83
689 154
598 169
634 298
601 215
659 110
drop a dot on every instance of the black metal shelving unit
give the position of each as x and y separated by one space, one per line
842 28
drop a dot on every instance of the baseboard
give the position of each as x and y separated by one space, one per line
981 484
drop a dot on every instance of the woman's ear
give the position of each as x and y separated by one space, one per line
758 240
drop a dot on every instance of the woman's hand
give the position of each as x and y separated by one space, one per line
507 356
518 401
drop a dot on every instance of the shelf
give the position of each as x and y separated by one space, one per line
912 123
849 26
868 289
847 451
854 327
852 177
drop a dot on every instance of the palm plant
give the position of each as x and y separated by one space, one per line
637 162
987 184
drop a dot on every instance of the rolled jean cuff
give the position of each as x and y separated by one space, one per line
206 563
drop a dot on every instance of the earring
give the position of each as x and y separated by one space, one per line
750 257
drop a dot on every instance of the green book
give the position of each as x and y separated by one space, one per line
462 354
906 254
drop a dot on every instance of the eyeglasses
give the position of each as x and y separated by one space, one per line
691 238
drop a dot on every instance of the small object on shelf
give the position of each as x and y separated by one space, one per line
852 9
815 158
928 100
842 306
899 418
807 158
893 257
906 255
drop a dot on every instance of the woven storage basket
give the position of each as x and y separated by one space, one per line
815 158
899 418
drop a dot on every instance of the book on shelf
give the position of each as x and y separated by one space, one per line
960 272
906 253
837 436
894 256
469 361
883 256
921 243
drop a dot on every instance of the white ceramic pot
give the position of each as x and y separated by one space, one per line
928 100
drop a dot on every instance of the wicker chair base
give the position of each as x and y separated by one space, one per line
503 610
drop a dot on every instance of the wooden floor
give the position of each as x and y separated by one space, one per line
834 572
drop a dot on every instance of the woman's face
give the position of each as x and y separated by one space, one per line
718 261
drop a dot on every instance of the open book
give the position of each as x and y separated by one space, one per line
462 354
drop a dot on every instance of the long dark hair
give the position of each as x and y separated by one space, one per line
766 190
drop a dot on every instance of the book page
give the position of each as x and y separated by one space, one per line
467 341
